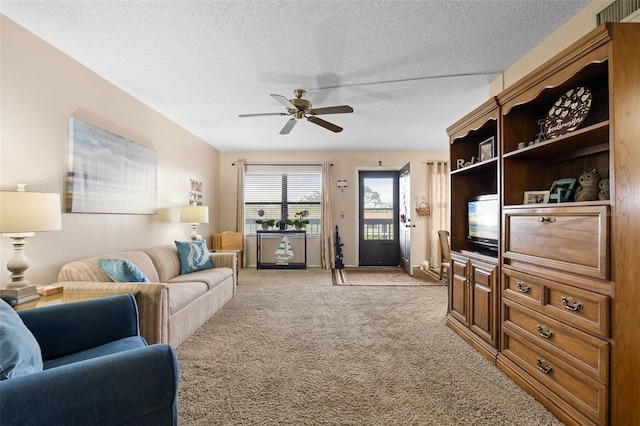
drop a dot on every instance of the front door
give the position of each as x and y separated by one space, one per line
405 218
378 213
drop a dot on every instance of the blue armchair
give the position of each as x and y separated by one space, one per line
97 370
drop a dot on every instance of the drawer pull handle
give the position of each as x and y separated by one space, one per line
546 219
543 331
544 366
522 287
571 304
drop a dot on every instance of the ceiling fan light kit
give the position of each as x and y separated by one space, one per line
299 108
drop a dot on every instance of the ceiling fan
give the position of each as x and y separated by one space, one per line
299 109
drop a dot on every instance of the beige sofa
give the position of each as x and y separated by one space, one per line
171 306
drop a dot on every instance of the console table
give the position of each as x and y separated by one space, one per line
299 261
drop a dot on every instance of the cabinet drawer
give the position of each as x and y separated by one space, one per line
585 394
583 309
519 286
571 239
581 350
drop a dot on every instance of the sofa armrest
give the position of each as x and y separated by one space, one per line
137 386
228 260
152 299
73 327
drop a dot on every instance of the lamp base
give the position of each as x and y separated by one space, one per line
24 294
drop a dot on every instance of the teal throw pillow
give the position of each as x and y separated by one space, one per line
123 271
193 256
20 352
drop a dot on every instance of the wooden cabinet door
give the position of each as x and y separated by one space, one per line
568 238
483 303
459 289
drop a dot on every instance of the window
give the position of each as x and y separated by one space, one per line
378 210
280 193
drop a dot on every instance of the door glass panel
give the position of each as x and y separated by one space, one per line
378 209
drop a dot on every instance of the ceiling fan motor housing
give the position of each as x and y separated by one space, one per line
301 104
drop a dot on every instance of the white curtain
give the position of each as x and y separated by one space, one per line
438 183
327 249
240 169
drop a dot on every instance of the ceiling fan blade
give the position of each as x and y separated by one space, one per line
288 126
263 114
332 110
284 101
322 123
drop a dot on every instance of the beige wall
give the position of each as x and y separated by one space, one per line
42 87
346 165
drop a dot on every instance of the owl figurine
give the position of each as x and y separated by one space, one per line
588 189
603 186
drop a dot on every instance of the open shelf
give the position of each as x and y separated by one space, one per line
566 204
591 139
480 168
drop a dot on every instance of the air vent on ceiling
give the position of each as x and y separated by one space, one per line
618 11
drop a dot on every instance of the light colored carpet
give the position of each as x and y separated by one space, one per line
384 275
293 349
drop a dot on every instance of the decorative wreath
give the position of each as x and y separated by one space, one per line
423 209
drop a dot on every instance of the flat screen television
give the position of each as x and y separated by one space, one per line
483 220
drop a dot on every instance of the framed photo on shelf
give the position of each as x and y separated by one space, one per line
562 190
485 150
536 197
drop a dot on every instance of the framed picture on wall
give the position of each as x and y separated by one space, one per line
485 150
109 173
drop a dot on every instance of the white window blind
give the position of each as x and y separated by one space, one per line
281 192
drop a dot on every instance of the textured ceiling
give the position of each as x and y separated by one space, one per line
409 69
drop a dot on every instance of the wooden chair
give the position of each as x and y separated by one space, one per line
445 252
230 241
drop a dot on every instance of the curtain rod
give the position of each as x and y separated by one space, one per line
432 162
282 164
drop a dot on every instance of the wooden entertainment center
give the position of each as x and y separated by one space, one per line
557 305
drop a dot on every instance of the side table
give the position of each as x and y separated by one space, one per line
69 297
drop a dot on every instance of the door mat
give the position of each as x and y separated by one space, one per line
381 276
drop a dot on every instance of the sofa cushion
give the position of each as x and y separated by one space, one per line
183 294
165 259
120 345
211 277
20 354
193 256
121 270
90 270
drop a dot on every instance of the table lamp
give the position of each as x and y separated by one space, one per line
194 215
22 214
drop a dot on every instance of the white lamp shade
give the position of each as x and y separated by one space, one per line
22 212
194 214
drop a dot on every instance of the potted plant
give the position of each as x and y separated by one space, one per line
300 222
283 223
266 223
